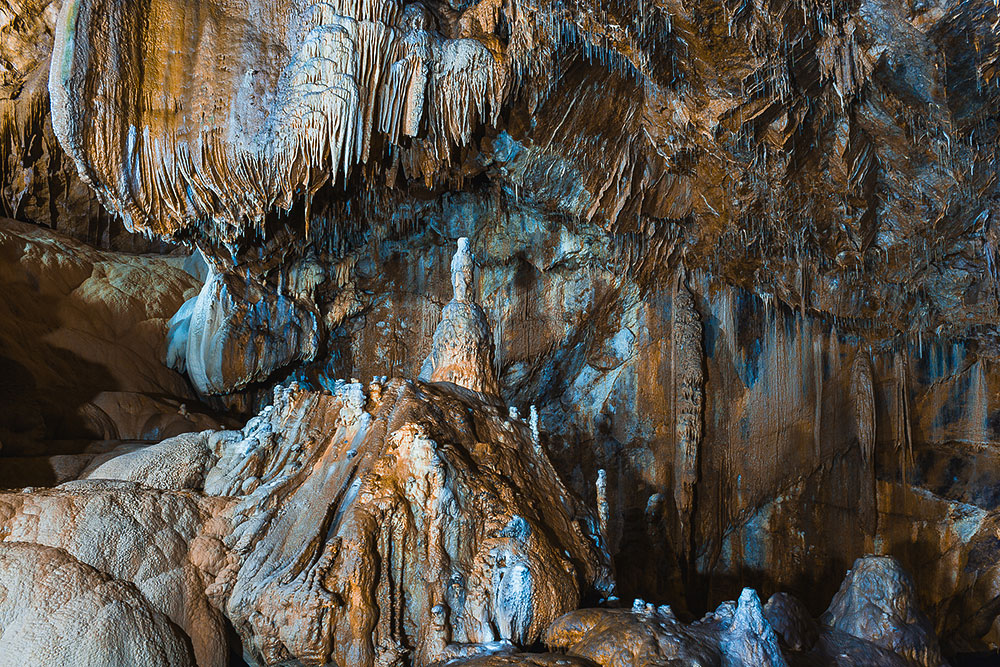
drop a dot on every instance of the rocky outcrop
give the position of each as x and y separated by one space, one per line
791 622
155 548
177 463
878 602
520 660
423 517
56 610
736 635
743 633
412 520
740 260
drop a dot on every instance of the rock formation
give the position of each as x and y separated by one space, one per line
82 343
462 351
735 262
877 602
367 532
235 332
688 397
744 633
59 611
413 520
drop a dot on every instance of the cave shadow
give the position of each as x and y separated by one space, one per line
47 391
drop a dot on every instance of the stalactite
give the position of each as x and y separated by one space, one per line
862 390
688 395
817 395
863 394
603 509
354 69
904 436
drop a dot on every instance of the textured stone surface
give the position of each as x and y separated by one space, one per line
462 351
180 462
825 154
56 610
791 622
878 602
425 519
520 660
124 532
873 620
736 635
235 332
38 181
738 259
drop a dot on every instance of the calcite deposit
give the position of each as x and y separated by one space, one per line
388 333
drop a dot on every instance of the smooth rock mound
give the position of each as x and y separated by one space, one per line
156 544
176 463
55 610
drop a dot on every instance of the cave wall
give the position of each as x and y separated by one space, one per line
786 497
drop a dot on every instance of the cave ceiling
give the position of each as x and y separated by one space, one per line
840 157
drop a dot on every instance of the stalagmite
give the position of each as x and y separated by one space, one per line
433 508
462 352
533 423
603 509
877 602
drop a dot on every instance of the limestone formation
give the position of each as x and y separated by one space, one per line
180 462
878 602
737 635
520 660
791 622
864 400
428 521
236 332
316 86
81 344
744 633
148 552
737 264
686 363
316 514
56 610
462 351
